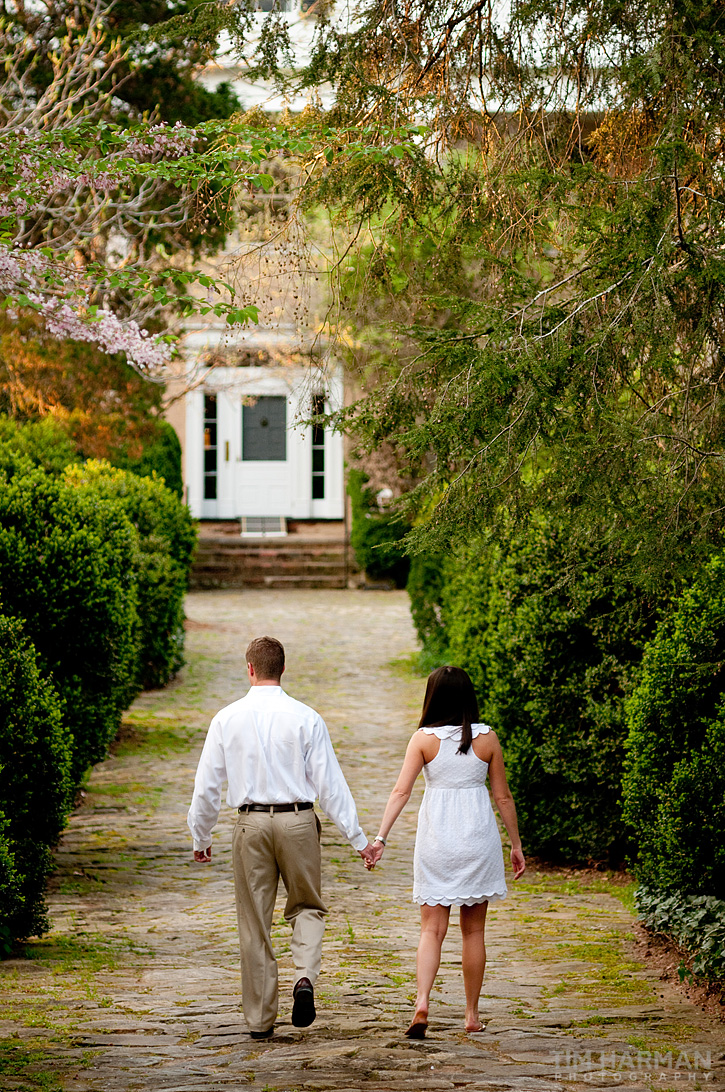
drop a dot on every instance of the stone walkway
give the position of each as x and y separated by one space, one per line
137 986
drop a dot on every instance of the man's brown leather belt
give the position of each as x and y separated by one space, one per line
303 805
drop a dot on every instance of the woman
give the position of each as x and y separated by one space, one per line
458 856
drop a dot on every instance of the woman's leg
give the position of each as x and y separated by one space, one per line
433 928
473 926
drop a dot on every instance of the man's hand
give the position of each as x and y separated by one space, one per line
376 852
202 856
518 862
367 856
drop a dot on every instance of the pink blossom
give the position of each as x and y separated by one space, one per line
165 141
110 333
104 180
24 273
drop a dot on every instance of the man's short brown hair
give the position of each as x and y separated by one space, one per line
266 655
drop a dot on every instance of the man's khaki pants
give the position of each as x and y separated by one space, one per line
265 847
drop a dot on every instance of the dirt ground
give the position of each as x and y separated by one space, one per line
137 985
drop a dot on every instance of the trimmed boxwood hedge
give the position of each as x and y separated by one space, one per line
551 662
35 783
94 565
426 581
166 541
161 458
11 896
42 443
67 569
674 784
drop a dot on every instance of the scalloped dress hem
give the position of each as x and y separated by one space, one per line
458 859
470 900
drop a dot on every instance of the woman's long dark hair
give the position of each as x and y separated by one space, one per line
450 699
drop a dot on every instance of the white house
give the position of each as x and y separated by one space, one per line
246 453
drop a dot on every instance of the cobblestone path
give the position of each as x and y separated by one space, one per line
137 986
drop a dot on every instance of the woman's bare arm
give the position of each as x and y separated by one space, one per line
505 804
399 797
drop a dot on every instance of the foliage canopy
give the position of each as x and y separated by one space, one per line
534 292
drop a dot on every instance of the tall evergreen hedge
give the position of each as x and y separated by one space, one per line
165 548
35 783
674 784
552 656
426 581
94 565
67 570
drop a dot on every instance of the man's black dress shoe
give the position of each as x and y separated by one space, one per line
303 1008
262 1034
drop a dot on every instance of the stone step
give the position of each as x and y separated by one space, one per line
278 545
269 580
222 561
243 556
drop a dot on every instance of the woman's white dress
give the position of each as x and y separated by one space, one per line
458 856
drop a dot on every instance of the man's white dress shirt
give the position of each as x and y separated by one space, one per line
270 749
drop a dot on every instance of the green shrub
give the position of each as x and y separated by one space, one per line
161 458
426 581
551 663
42 444
466 612
166 539
696 923
11 896
67 569
674 784
376 537
35 787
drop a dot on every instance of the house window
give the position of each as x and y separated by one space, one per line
210 447
318 449
264 430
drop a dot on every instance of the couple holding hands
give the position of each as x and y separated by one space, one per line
276 756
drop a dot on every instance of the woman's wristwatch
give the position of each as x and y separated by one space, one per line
379 838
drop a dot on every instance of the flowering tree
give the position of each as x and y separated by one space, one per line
87 204
91 209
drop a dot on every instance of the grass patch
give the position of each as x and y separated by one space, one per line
115 789
33 1067
82 953
609 975
602 1021
572 882
152 737
414 666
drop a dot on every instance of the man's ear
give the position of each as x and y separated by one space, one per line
282 671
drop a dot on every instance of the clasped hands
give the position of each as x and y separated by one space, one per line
371 854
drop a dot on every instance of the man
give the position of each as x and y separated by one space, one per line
276 755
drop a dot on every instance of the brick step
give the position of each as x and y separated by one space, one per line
263 556
225 562
291 542
220 570
204 581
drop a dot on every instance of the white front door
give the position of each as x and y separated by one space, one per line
264 478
